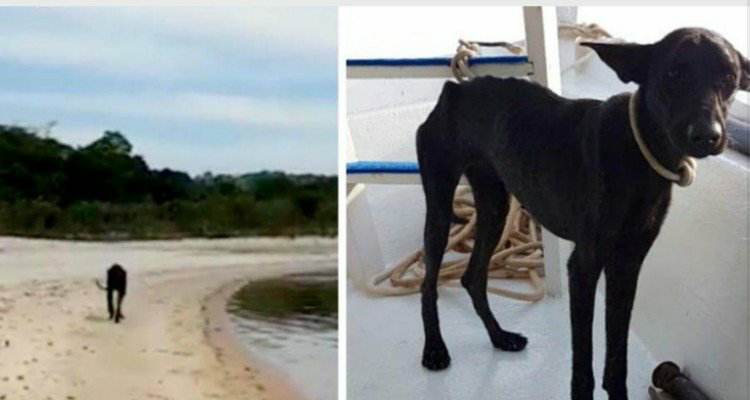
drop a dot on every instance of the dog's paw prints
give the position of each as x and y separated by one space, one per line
436 357
509 341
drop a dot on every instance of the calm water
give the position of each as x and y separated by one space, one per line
292 323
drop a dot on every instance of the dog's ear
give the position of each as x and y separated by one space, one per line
629 60
744 72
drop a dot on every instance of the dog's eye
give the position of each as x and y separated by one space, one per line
728 84
730 80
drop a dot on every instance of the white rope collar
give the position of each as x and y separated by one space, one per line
685 172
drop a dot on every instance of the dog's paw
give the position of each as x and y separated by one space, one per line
618 393
585 395
509 341
436 357
582 386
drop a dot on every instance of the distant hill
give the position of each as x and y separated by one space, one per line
103 191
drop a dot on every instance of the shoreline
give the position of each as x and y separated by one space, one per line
218 331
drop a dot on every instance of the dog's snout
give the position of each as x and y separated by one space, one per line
704 134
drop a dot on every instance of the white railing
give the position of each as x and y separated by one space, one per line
436 67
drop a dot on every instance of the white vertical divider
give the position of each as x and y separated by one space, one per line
542 48
362 259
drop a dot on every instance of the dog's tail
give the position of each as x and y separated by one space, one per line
99 284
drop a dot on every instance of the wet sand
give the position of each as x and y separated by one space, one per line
175 342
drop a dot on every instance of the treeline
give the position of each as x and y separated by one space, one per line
103 191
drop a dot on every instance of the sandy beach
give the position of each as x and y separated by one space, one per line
175 341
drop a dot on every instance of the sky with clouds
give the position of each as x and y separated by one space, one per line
220 89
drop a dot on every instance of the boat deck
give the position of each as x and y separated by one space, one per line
385 340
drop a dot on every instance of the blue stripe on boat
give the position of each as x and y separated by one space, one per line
435 61
382 167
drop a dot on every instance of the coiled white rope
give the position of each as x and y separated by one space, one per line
518 255
468 49
582 31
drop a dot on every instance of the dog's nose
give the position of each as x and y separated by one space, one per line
704 135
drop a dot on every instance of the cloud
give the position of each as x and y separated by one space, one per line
168 43
244 151
184 106
227 89
254 111
296 30
135 56
77 135
247 154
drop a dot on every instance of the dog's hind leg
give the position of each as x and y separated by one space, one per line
439 185
583 273
118 314
491 201
110 303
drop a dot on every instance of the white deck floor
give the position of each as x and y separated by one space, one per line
384 344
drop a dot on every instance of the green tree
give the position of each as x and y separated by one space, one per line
48 188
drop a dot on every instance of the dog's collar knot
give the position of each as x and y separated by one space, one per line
686 170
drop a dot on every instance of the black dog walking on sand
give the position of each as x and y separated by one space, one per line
117 281
598 173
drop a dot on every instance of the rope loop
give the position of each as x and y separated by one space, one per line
518 255
583 31
467 49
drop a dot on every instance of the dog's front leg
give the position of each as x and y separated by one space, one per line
621 284
583 273
621 275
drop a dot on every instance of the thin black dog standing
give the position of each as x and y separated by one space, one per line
577 167
117 281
